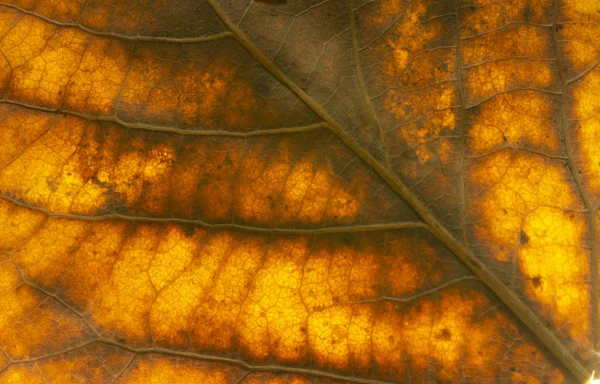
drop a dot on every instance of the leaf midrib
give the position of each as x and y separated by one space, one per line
509 298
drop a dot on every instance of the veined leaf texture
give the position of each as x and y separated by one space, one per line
299 192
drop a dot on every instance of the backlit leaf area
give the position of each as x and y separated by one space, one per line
299 191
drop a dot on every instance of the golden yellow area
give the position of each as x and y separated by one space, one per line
495 77
583 10
514 185
161 370
524 206
62 69
273 318
514 119
48 168
341 335
29 324
67 165
45 267
517 40
18 225
586 107
486 16
556 266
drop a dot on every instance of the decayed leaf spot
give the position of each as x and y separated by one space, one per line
523 192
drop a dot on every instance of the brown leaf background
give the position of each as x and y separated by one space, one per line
299 192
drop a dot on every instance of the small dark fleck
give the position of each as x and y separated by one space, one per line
188 230
527 13
523 238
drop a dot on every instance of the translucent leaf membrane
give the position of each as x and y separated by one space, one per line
66 164
525 211
173 208
313 45
382 306
408 55
156 18
188 86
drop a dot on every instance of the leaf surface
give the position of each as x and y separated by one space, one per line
299 192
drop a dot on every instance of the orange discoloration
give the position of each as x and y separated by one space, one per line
69 165
514 119
422 128
279 299
223 290
158 370
17 226
587 108
68 68
35 318
485 16
513 41
580 44
172 316
500 76
413 73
